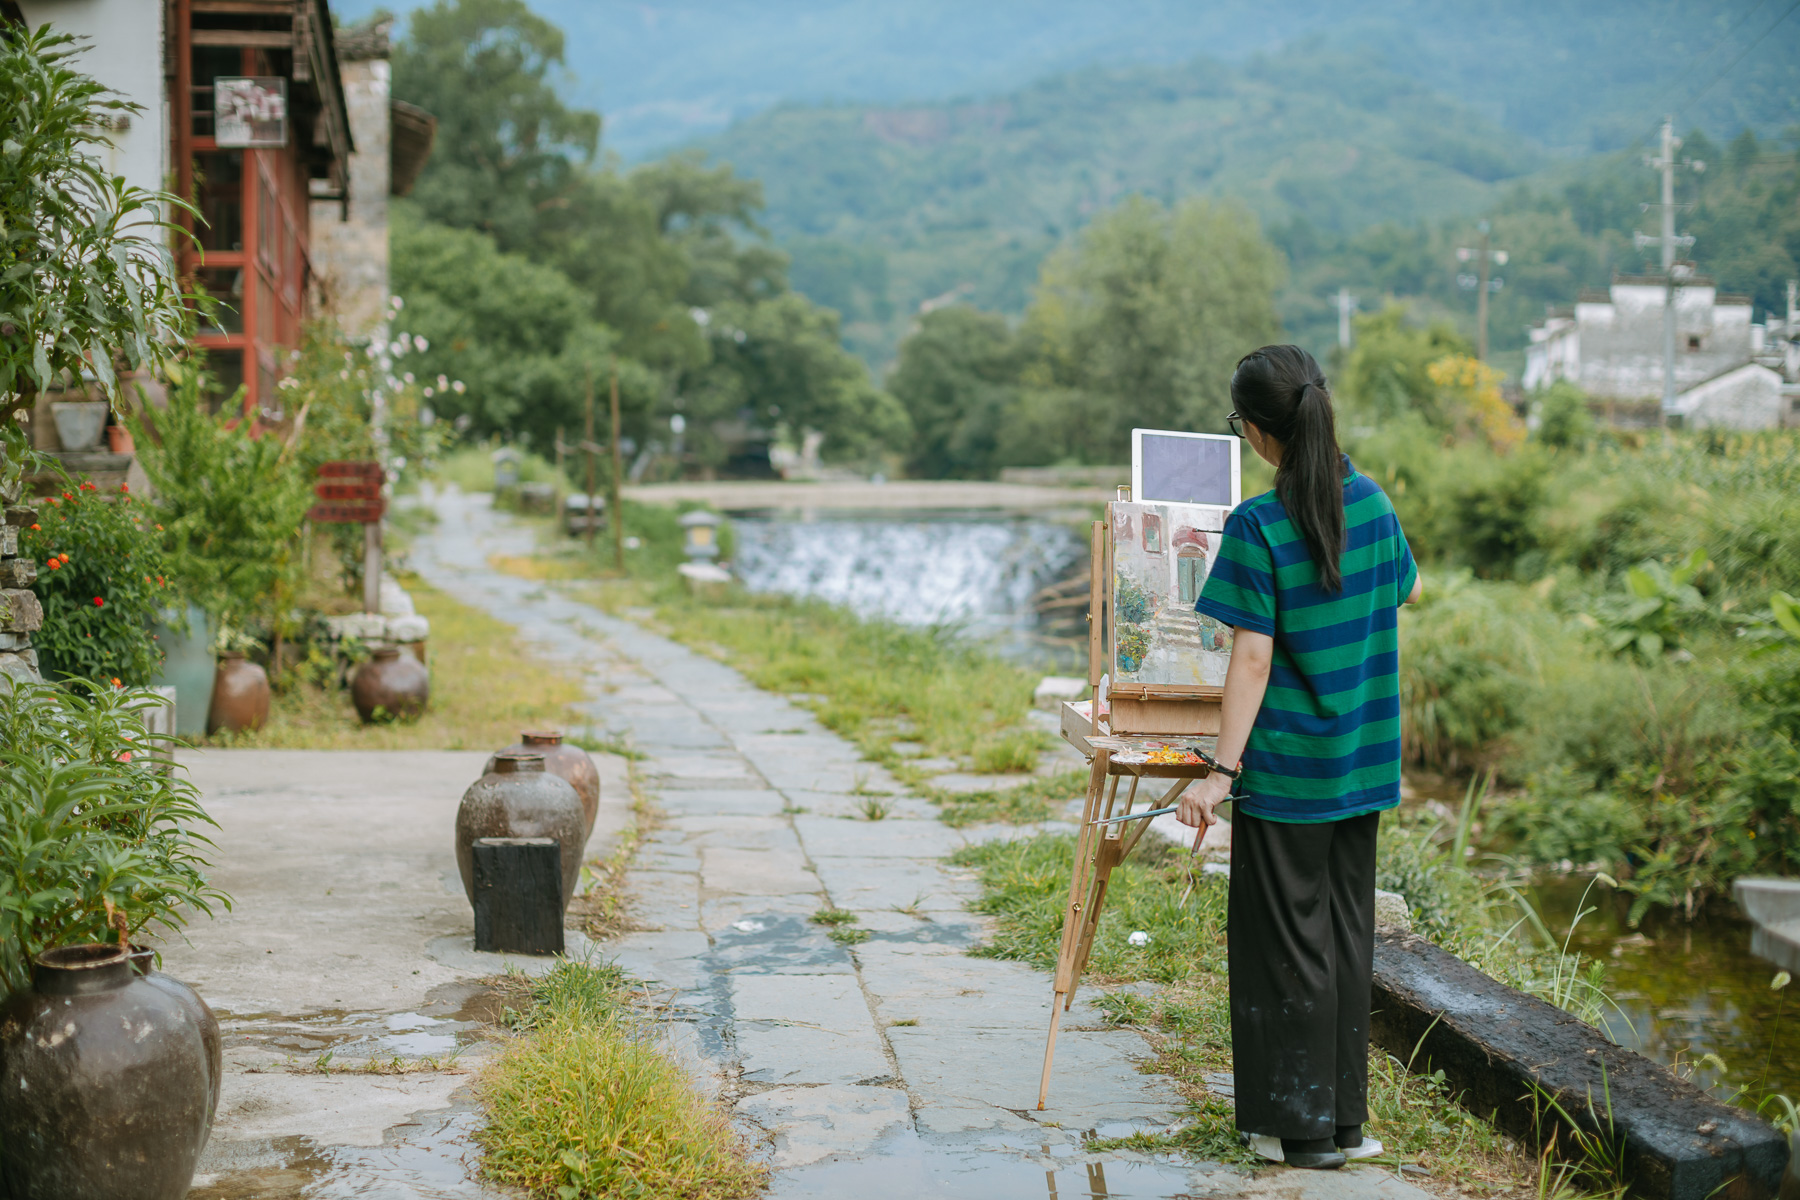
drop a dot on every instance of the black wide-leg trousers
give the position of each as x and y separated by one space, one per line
1301 930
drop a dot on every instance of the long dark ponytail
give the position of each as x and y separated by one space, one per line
1282 390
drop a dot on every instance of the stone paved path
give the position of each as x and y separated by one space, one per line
901 1067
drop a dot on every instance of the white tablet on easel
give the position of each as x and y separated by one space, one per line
1170 467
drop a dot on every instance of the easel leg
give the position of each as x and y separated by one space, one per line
1056 1011
1079 886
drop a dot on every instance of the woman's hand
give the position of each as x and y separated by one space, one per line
1198 802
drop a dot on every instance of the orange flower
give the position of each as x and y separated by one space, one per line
56 564
36 527
116 682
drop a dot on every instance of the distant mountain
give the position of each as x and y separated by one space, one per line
883 208
1581 77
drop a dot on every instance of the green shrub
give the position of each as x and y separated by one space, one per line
230 501
102 581
99 837
1564 420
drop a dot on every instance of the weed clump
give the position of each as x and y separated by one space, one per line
586 1104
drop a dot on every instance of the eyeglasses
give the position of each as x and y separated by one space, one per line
1232 419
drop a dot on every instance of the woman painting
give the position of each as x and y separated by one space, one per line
1310 577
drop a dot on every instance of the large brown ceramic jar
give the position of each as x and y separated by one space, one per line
519 799
391 686
240 698
143 961
103 1083
571 762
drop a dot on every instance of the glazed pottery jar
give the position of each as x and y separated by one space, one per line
391 685
571 762
240 695
517 798
188 666
143 961
103 1083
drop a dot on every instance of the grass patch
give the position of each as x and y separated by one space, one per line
833 917
483 692
586 1105
1187 1021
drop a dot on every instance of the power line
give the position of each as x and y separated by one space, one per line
1668 89
1755 42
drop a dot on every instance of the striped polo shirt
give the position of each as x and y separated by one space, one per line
1326 744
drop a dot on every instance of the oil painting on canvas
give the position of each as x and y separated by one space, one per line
1162 554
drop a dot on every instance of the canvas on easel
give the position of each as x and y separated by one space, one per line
1161 557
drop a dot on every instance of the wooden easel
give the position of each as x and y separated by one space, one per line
1140 711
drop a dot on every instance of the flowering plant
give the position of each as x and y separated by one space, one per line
101 579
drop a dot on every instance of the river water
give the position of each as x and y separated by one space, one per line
1683 990
976 571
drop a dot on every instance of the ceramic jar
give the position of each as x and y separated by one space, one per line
143 962
188 666
391 685
79 423
240 696
103 1083
517 798
571 762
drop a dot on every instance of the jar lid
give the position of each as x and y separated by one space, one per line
517 762
384 653
542 737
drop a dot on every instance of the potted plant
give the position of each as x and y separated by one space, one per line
103 582
103 849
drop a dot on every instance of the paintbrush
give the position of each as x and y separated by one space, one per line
1139 816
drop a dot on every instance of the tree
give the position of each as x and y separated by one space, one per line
507 146
1147 312
85 274
779 363
957 379
1388 373
519 335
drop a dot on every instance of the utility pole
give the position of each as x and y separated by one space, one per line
1346 304
1482 255
1673 272
587 445
617 503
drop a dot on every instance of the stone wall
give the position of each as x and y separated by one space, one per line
20 612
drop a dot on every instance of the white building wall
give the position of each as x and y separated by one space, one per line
124 51
1747 398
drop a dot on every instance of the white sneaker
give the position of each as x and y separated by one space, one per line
1369 1149
1266 1146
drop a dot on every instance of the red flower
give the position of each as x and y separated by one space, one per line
124 487
68 495
87 485
98 602
56 564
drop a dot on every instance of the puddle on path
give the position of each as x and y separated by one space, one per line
433 1160
917 1168
451 1019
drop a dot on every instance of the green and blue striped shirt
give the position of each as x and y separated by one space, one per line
1326 744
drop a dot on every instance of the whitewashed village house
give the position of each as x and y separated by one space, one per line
1729 372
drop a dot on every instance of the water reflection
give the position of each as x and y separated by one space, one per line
1685 990
977 570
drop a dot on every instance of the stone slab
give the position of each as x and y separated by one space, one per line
1096 1077
891 838
1505 1050
812 1123
797 1029
729 869
869 883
